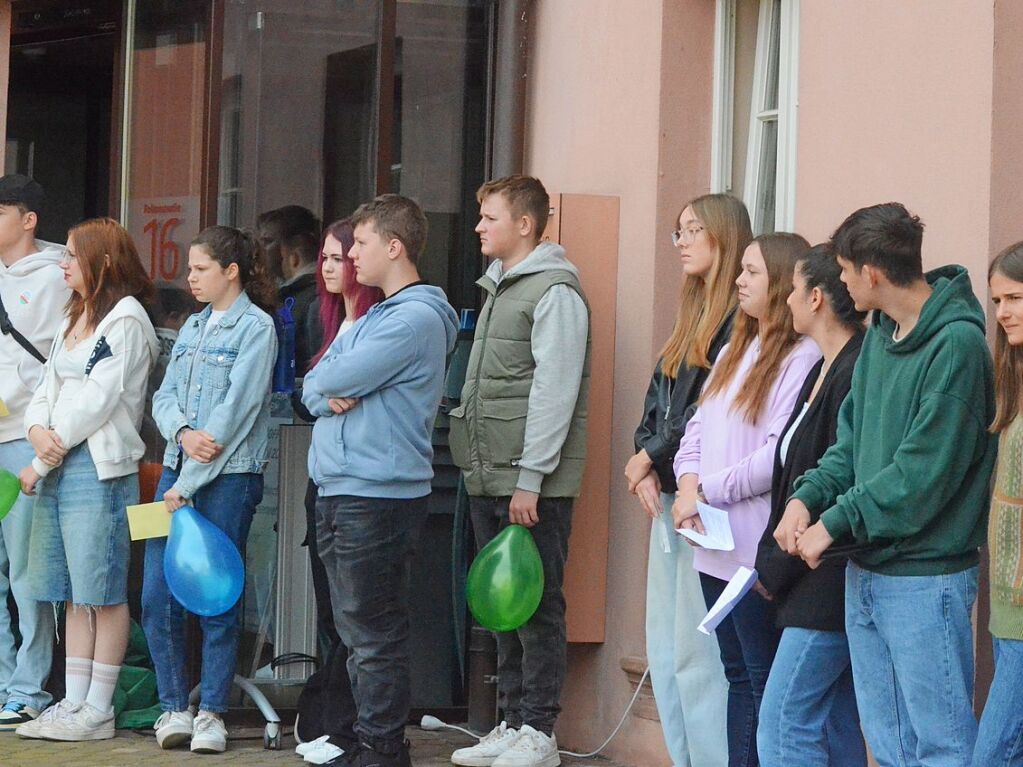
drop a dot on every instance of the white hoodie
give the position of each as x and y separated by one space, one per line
107 404
34 294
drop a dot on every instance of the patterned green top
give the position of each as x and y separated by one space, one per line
1005 536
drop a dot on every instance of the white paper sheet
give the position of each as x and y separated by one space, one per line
719 531
736 589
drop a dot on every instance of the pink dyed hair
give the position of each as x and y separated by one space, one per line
332 305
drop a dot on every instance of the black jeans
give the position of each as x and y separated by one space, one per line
326 633
531 661
366 545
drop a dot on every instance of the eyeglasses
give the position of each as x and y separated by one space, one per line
67 256
685 236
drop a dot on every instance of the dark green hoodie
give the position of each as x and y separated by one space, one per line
909 473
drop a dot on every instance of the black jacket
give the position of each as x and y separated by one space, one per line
305 312
811 599
669 404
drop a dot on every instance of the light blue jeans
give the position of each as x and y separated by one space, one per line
1000 738
685 665
809 716
24 669
80 547
911 643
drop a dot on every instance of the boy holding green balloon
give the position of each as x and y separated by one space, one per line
519 435
33 295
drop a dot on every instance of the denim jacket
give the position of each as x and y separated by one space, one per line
219 382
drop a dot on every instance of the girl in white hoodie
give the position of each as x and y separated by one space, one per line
83 424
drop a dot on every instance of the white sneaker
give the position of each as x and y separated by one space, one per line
491 746
304 747
209 736
59 709
531 749
173 728
323 753
83 722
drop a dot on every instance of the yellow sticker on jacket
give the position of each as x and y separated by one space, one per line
4 412
149 520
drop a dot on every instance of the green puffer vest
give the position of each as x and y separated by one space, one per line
488 427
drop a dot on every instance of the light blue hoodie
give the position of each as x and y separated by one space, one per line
393 361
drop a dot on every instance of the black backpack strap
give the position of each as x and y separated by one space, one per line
9 330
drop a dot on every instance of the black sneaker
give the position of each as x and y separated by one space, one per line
366 756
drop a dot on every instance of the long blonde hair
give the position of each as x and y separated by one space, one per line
781 252
1008 358
705 302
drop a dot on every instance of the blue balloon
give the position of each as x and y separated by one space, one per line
202 565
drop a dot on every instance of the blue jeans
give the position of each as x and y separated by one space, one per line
229 502
1000 737
809 716
24 669
911 644
685 665
748 640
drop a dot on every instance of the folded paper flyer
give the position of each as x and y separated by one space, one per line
736 589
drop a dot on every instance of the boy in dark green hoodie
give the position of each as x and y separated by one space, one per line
907 484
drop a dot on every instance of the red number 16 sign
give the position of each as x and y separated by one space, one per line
164 252
162 228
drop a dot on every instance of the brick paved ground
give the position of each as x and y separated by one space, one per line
429 749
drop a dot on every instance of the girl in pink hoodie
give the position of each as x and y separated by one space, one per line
726 459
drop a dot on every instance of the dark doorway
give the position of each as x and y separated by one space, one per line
60 105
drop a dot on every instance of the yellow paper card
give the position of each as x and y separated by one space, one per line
149 520
4 412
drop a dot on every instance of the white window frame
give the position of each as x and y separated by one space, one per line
786 113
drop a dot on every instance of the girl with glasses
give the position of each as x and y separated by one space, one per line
687 677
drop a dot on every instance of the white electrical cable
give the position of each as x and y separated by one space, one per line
433 723
646 673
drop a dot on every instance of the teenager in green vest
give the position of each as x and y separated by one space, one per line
998 739
519 436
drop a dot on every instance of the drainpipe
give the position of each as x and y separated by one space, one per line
512 52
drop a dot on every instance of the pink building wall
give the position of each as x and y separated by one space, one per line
895 103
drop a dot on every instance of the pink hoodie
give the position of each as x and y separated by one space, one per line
734 458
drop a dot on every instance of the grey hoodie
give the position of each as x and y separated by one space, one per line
558 341
34 294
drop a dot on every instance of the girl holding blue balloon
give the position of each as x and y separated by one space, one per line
213 408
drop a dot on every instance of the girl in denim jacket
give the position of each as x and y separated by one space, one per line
213 408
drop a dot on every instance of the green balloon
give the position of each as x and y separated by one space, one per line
10 486
505 581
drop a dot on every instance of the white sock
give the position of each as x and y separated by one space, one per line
77 675
104 682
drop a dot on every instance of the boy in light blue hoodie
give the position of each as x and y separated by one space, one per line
375 394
